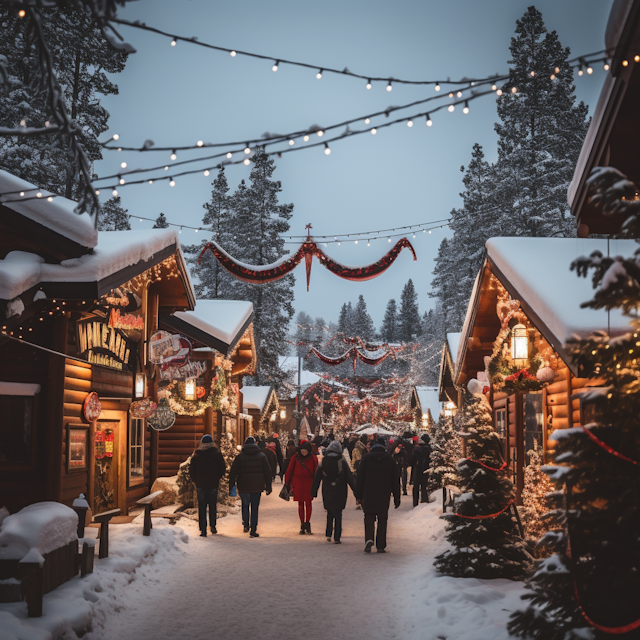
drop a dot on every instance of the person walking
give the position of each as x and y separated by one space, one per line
335 475
271 456
358 451
252 473
421 459
290 452
400 457
206 468
275 439
299 479
377 480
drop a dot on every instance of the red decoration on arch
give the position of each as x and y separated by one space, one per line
306 252
352 354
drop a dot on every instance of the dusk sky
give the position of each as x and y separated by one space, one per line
401 176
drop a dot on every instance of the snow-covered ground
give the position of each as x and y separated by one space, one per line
281 586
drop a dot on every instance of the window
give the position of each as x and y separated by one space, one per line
16 430
136 451
501 422
533 419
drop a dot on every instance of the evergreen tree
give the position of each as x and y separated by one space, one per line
488 547
161 222
362 324
345 320
303 338
446 450
389 328
113 217
594 510
409 316
82 59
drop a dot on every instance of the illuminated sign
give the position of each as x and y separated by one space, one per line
125 321
101 344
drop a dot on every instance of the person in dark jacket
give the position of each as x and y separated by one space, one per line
271 457
421 459
400 456
377 479
252 473
291 451
206 468
278 451
335 475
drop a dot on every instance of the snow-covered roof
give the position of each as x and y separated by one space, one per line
539 271
471 310
222 319
256 397
57 215
429 400
453 342
307 378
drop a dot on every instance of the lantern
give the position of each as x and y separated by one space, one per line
519 346
425 420
190 389
140 384
449 409
283 414
272 417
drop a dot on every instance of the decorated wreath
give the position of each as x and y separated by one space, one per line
210 396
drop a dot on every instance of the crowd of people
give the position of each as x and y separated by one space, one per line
375 469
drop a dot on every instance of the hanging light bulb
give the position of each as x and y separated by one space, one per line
499 92
320 133
355 242
414 235
514 90
532 74
97 192
451 108
374 131
451 94
166 168
180 230
459 94
199 143
275 66
429 230
465 109
368 243
606 66
22 193
206 172
247 161
173 155
389 240
172 182
114 193
437 87
368 84
553 76
229 155
557 70
580 71
410 123
636 58
22 13
327 150
625 63
49 199
121 180
247 149
115 136
123 165
429 120
339 243
494 87
39 194
150 181
319 75
367 120
174 42
233 54
590 68
306 138
291 143
389 87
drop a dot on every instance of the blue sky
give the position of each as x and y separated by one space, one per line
401 176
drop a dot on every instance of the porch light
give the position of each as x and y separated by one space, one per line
519 345
140 384
449 409
190 389
425 420
283 414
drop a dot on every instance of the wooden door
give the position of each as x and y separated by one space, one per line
110 468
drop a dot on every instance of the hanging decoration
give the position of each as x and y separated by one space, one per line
163 417
109 443
92 407
210 396
144 408
99 447
306 252
354 354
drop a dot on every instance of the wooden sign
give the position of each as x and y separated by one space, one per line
92 407
163 418
77 447
101 344
143 408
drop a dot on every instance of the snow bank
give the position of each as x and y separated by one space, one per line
43 526
453 340
222 319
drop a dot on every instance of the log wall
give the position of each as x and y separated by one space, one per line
176 444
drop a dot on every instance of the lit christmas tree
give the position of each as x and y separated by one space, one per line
446 450
229 451
534 500
482 530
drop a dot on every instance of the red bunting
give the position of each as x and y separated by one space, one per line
306 252
354 354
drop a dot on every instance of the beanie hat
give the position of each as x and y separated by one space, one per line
334 446
425 438
206 439
275 435
415 439
250 440
305 445
380 441
262 444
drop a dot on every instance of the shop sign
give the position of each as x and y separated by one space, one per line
143 408
92 407
101 344
167 349
193 369
127 321
163 417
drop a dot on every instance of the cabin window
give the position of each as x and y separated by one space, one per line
136 451
16 430
501 422
533 420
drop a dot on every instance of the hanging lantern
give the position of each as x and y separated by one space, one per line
283 414
449 409
519 346
140 384
190 389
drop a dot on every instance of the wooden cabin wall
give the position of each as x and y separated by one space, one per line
178 443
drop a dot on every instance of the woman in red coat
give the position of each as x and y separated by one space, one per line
299 478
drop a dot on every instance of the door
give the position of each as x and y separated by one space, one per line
109 441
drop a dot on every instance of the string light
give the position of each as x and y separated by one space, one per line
319 75
174 155
625 63
174 42
233 54
114 193
606 67
589 69
429 120
229 156
206 172
553 76
199 143
451 108
459 94
410 123
374 131
172 182
533 73
247 161
39 194
437 87
580 71
121 180
49 199
367 120
22 193
327 150
494 87
368 84
306 138
97 192
514 90
22 13
123 165
636 58
247 149
465 109
291 143
499 92
320 133
389 87
557 70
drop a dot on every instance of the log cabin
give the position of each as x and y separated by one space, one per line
524 306
426 405
261 403
448 391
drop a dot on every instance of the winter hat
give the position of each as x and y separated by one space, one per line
425 438
275 435
206 439
381 441
250 440
305 445
334 447
415 439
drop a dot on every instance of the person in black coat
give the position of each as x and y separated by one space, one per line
206 468
335 475
276 440
252 473
421 459
271 457
376 481
400 456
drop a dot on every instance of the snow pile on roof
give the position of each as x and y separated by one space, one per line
457 356
58 215
19 271
539 269
19 389
453 341
255 397
222 319
428 397
43 526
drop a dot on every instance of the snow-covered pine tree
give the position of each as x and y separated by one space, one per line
534 499
409 316
488 547
389 328
345 320
446 450
229 451
161 222
541 131
303 340
82 60
260 222
594 510
113 217
362 324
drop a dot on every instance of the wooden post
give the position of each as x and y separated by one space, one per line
34 578
208 421
569 401
148 525
86 560
103 519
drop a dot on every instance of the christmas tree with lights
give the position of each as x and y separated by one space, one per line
229 451
482 531
446 450
534 500
589 586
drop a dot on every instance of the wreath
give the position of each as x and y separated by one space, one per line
210 397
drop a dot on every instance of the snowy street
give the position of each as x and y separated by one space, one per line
286 586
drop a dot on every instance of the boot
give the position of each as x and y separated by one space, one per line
307 526
214 529
303 529
254 534
246 528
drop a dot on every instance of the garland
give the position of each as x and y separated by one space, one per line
492 515
607 448
197 407
353 354
500 468
306 252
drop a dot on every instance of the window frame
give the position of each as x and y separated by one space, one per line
32 464
134 481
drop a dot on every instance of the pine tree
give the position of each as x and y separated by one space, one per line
161 222
488 547
409 316
113 217
229 452
82 60
446 450
594 509
362 324
345 320
389 328
303 338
